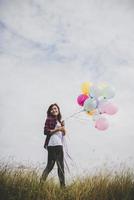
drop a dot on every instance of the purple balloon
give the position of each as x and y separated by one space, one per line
81 99
101 124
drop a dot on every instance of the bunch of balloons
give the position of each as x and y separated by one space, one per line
96 101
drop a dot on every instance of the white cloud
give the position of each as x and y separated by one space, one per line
48 48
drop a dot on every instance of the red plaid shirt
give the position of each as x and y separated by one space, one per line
50 124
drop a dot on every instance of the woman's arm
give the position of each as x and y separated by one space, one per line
62 129
49 126
52 131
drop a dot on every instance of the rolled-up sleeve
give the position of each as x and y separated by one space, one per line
49 125
46 127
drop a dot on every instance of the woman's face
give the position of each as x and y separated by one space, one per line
54 111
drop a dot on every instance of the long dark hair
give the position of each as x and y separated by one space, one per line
49 114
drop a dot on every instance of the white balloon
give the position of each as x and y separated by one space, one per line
95 91
108 92
101 100
97 116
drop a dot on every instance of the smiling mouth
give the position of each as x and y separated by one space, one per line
55 112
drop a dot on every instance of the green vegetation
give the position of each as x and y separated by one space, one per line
24 184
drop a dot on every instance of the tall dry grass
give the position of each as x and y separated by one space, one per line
24 184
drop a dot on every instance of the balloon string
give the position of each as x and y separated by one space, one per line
65 144
66 155
82 119
73 115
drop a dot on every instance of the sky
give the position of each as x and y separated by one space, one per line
48 48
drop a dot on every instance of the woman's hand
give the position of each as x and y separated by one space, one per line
61 128
63 123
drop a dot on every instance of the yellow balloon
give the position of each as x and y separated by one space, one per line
85 87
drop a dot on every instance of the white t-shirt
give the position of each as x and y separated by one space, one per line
57 137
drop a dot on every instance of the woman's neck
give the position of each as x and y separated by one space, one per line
55 117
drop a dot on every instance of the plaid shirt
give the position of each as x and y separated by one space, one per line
50 124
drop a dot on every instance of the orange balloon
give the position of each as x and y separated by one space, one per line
91 112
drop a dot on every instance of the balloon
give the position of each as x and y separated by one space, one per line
90 104
81 99
97 116
102 107
102 85
95 101
85 87
91 113
108 92
101 124
101 100
95 91
108 108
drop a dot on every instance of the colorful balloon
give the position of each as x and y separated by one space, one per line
97 115
90 104
91 113
81 99
85 87
102 85
95 102
108 92
101 100
108 108
101 124
95 91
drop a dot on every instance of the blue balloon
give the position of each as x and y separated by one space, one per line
90 104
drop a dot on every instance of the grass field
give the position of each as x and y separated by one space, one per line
24 184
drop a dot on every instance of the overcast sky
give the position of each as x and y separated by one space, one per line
48 48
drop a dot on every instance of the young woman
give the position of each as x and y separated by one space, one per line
55 131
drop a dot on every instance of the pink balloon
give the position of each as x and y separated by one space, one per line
111 109
108 108
81 99
101 124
